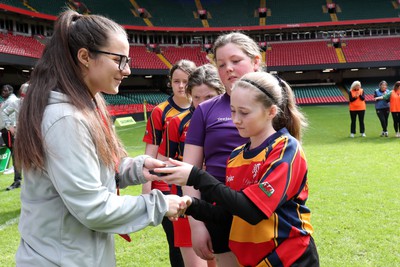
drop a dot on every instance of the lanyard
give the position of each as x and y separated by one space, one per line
116 169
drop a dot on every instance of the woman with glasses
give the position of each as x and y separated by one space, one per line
73 161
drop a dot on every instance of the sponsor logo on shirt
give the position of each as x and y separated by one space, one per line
224 119
229 178
255 170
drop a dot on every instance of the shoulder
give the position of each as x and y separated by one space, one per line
60 110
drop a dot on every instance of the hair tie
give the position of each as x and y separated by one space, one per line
262 89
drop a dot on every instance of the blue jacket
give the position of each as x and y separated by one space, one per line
381 104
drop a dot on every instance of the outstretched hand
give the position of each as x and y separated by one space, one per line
149 164
177 175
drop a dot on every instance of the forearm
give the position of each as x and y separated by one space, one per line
236 203
206 212
131 171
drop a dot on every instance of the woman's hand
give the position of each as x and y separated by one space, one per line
179 174
150 164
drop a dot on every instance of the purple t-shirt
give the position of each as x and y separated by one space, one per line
212 128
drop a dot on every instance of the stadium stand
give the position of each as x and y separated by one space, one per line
193 53
291 12
143 59
366 9
372 49
20 45
295 51
319 95
300 53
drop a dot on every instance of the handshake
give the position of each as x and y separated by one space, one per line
177 206
171 172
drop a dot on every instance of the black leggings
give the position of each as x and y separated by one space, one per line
396 121
9 141
353 116
383 115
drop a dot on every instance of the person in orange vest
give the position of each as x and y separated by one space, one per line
394 98
357 107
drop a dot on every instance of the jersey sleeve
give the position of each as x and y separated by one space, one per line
170 140
154 128
197 129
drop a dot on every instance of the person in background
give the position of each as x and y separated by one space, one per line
203 84
73 161
8 123
158 120
212 136
394 98
357 108
266 186
382 107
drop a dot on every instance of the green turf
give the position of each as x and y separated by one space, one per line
353 196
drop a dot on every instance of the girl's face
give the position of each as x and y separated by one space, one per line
102 74
250 117
179 81
201 93
233 63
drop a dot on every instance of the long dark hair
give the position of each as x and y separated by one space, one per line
58 70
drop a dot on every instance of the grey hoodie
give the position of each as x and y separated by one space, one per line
70 211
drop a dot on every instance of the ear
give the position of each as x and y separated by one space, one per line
83 56
257 62
273 111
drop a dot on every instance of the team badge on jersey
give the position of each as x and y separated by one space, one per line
267 188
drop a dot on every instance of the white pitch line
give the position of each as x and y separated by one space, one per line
9 223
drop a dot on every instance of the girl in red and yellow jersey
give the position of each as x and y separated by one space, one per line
266 185
357 108
203 84
159 118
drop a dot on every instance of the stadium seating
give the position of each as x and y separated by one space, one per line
173 54
143 59
291 12
20 45
319 95
300 53
365 9
131 103
224 13
372 49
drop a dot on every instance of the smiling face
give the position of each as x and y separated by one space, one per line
201 93
233 63
101 72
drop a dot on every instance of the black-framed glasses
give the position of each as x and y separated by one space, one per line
123 60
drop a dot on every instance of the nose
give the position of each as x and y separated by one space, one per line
229 67
235 119
127 70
